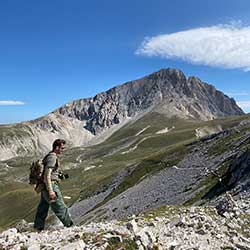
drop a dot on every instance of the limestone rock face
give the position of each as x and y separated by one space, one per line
166 91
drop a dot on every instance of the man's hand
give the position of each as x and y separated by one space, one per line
52 195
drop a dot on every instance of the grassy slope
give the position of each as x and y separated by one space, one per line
154 153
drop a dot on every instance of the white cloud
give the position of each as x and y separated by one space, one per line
7 103
226 46
244 104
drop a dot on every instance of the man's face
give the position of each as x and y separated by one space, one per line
59 149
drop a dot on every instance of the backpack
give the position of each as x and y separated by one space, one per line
36 175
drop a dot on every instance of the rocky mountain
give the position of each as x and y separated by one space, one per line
92 120
166 91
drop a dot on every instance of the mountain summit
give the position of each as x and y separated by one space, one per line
91 120
167 91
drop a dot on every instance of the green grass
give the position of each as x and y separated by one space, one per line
16 205
156 122
127 244
209 187
167 211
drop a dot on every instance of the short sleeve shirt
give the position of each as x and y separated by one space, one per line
51 161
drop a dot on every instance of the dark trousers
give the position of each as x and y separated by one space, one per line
58 207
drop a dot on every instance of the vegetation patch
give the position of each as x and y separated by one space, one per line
167 211
127 244
207 187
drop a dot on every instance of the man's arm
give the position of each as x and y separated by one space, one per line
48 183
47 179
49 166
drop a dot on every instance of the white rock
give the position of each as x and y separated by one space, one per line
34 246
10 232
140 247
111 236
159 219
227 215
143 237
78 245
132 226
173 245
146 237
138 242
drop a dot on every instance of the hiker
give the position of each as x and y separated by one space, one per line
51 195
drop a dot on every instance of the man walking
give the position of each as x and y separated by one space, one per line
51 195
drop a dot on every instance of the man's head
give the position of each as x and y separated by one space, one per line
58 146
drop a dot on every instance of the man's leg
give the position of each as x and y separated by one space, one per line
60 209
41 213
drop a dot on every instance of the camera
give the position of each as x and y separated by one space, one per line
63 176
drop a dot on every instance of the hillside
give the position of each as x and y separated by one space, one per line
141 154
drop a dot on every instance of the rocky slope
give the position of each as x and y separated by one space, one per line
163 228
197 172
91 120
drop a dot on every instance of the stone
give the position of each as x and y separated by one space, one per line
111 236
227 215
201 231
132 226
173 245
143 237
78 245
178 222
23 226
141 247
34 246
242 246
146 237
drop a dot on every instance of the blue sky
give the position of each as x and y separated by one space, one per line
55 51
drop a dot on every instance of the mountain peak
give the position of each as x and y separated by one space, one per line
166 91
171 73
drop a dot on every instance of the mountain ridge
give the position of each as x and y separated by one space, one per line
127 99
91 120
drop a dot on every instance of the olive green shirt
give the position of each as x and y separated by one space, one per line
51 171
51 161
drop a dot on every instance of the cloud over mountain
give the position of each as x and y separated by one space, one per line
226 46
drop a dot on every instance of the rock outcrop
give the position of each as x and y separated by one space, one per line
167 91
